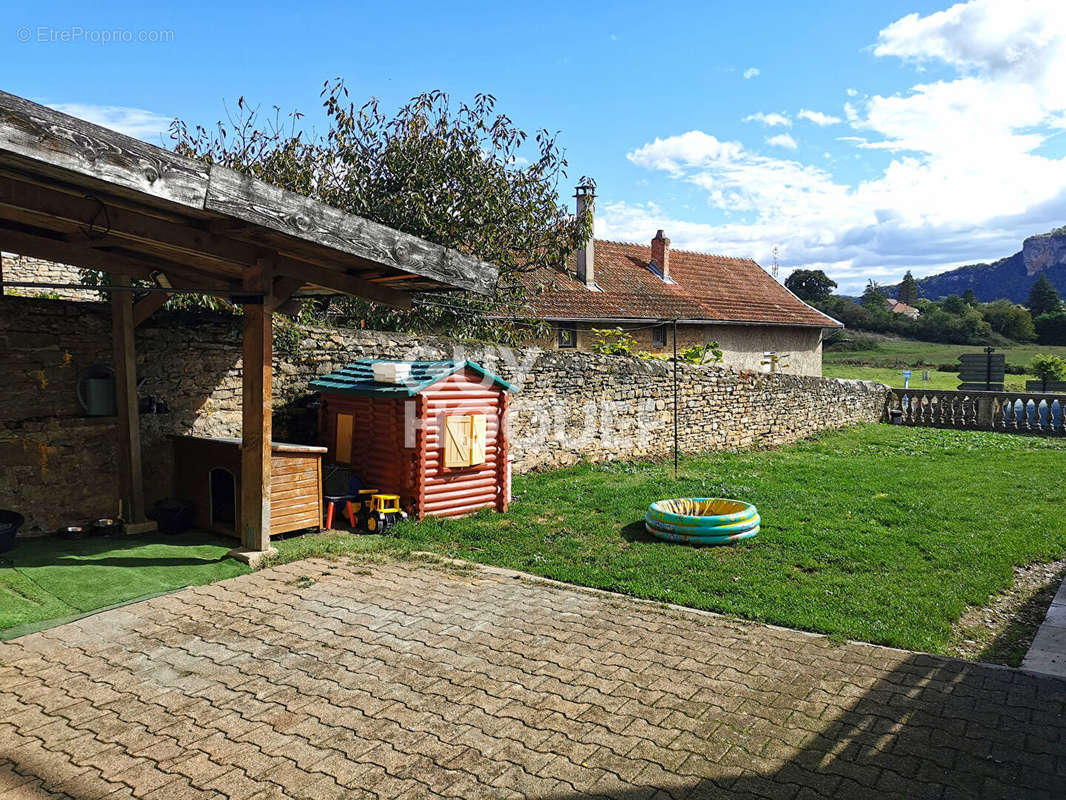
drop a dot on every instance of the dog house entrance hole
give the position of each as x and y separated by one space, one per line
223 499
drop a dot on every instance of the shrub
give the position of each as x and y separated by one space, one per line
1048 367
1051 328
710 353
612 342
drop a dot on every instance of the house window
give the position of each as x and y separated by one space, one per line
464 441
568 335
658 336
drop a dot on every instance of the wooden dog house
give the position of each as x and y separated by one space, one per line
436 433
207 472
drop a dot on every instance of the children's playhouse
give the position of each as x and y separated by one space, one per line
433 432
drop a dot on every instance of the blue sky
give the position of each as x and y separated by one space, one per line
865 138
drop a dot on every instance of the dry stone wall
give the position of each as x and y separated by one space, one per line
57 465
16 268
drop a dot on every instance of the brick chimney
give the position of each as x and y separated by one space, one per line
660 254
586 256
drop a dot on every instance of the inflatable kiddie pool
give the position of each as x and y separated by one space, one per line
702 520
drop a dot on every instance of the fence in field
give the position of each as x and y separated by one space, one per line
1008 411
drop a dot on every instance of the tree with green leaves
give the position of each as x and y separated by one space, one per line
969 298
908 290
1051 328
953 304
873 298
454 174
1008 319
1044 298
1048 367
810 285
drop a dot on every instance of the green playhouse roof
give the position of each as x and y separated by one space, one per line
358 378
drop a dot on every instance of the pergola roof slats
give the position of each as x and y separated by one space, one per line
164 206
291 214
68 144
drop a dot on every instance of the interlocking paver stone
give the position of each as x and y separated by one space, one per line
408 681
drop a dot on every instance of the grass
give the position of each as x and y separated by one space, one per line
47 579
892 377
884 362
879 533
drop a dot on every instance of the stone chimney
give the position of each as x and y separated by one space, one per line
586 256
660 254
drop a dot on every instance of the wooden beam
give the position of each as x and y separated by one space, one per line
131 479
54 248
147 306
173 239
284 289
343 282
68 144
256 421
271 207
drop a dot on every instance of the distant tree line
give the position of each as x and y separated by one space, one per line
955 319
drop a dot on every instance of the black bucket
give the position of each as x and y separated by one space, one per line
172 515
10 522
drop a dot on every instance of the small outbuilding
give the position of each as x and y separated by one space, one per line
433 432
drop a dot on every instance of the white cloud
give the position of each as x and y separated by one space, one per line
852 92
751 72
770 120
818 118
136 122
966 180
782 140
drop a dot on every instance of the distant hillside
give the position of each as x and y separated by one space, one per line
1010 277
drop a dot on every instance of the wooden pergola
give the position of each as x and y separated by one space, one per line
76 193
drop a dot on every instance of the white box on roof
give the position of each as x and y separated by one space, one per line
392 372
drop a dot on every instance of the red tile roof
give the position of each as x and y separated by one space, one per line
707 287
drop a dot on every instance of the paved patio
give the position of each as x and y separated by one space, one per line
320 680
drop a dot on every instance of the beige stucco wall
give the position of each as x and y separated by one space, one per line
742 345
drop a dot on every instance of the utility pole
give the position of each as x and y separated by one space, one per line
776 267
675 400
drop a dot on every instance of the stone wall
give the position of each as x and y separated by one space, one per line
35 270
58 465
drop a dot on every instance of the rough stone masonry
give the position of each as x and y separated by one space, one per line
58 464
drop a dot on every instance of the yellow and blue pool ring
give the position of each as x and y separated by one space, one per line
702 520
685 539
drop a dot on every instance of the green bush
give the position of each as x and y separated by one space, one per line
1051 328
612 342
1048 367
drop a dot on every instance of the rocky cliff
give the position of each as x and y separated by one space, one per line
1010 277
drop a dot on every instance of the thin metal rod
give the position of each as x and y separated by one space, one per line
106 287
675 399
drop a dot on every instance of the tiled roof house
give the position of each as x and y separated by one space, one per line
644 288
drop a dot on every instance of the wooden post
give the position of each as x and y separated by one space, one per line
131 479
256 422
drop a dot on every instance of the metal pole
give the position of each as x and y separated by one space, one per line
107 287
675 399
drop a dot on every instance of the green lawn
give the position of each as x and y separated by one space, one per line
884 362
892 377
47 579
878 533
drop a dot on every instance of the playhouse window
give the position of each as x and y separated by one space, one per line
342 448
464 441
